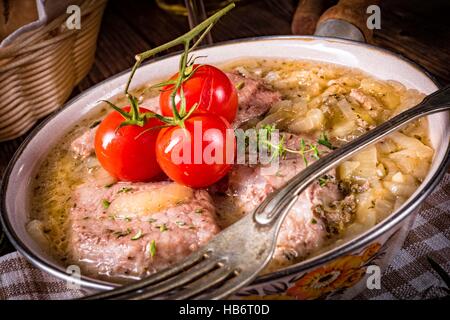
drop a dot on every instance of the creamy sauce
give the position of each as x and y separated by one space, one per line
316 98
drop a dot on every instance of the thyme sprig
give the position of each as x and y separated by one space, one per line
151 248
323 140
280 149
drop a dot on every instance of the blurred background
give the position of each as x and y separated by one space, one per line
418 29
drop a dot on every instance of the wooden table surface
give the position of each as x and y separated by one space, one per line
420 30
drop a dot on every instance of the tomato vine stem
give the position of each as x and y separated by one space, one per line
186 70
205 26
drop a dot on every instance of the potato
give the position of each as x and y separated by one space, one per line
346 82
343 129
281 105
398 177
399 202
314 120
335 89
281 119
411 165
347 168
386 146
367 217
390 166
346 110
367 168
383 208
382 91
411 146
381 170
400 189
147 202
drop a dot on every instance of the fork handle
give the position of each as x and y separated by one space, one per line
275 208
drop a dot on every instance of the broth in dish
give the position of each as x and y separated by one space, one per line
117 230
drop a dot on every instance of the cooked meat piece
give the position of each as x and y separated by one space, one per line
303 230
255 99
83 146
337 214
135 229
299 235
368 102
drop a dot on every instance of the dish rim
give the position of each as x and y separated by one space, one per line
358 242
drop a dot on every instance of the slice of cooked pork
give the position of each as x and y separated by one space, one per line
130 230
254 98
83 146
312 220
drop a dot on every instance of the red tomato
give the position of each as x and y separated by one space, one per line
127 153
210 88
199 154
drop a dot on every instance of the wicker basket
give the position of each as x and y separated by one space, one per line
40 69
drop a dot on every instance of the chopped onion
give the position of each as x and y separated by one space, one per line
347 168
313 120
346 109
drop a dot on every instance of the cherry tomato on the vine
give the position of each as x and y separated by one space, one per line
199 154
209 87
128 153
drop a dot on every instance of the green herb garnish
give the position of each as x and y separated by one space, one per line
163 228
280 149
315 151
114 217
105 204
152 248
302 151
264 136
125 190
240 85
323 181
120 234
323 140
138 235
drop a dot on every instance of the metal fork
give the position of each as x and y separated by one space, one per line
236 256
